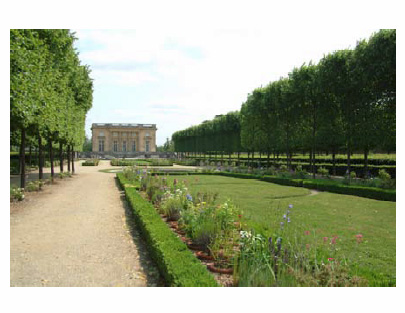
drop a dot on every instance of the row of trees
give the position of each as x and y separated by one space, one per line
222 134
346 102
50 94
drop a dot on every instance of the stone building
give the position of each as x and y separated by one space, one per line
123 140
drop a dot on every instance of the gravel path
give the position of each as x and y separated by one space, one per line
78 232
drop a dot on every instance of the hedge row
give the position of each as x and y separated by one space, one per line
152 162
176 263
263 160
93 162
318 184
360 191
339 168
324 185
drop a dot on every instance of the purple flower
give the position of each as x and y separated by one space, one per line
284 216
290 206
189 198
288 220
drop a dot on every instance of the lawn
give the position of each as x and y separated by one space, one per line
323 215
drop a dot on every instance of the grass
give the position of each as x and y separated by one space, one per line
324 215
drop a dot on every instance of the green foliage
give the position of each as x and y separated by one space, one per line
141 162
385 179
91 162
16 194
176 263
323 172
50 91
360 191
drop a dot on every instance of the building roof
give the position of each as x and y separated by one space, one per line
123 125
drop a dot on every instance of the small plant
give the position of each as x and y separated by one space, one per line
299 172
33 186
62 175
16 194
385 179
283 168
323 172
353 175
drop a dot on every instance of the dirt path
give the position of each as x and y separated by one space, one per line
78 233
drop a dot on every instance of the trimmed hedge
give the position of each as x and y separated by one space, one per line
93 162
360 191
141 162
175 261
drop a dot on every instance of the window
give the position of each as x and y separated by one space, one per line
133 146
115 134
124 134
124 146
115 146
147 145
101 133
147 134
101 145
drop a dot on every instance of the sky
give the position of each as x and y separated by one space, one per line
178 78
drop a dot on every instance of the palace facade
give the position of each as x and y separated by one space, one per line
123 139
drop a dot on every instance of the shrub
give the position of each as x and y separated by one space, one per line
92 162
299 172
16 194
283 168
64 174
385 179
33 186
323 172
360 191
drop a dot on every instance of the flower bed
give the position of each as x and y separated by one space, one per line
176 263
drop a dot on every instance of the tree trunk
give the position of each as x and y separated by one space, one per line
253 159
366 163
268 159
68 157
248 162
40 158
22 159
51 158
334 163
30 162
348 160
61 157
73 161
313 164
